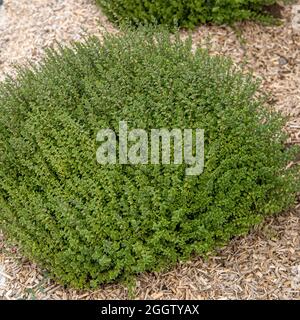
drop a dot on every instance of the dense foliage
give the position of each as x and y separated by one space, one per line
89 223
186 13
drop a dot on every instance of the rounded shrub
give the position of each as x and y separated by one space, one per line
91 223
186 13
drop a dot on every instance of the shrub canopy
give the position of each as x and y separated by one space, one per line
89 223
186 13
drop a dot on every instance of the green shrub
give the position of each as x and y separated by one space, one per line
89 223
186 13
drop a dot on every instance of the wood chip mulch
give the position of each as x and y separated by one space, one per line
265 264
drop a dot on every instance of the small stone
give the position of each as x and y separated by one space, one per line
2 278
282 61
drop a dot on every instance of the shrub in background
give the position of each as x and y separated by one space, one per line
89 223
186 13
